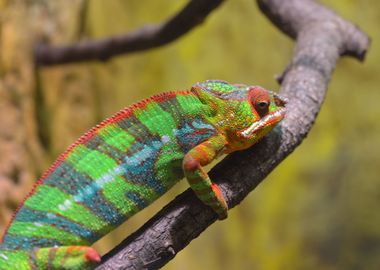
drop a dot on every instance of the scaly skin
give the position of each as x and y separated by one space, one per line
127 162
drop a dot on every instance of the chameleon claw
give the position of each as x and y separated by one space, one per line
222 209
92 255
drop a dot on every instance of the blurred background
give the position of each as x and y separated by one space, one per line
318 210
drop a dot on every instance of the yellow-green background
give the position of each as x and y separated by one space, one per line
318 210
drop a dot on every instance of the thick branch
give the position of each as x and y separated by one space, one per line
321 38
151 36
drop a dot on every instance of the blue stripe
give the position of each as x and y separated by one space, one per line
28 242
139 165
133 126
192 133
97 143
99 205
29 215
67 179
141 172
137 199
199 124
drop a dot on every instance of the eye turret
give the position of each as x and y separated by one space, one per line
260 101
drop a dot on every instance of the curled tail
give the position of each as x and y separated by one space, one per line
70 257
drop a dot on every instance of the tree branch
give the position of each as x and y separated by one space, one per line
150 36
321 38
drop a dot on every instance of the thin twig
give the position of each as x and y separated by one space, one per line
151 36
322 37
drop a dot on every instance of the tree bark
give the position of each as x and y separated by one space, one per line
321 38
148 37
26 106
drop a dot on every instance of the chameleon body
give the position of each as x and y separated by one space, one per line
127 162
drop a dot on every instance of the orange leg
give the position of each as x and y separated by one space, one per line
193 162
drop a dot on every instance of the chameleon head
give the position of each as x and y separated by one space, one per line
267 109
243 113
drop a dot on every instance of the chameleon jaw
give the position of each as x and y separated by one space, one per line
269 119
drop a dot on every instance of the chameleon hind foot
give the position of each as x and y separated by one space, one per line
66 257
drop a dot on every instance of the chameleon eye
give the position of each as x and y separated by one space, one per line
260 100
262 107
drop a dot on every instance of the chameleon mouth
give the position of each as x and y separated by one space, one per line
269 119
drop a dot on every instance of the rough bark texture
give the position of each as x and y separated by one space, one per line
145 38
26 106
322 37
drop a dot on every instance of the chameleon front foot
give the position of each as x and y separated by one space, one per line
193 162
